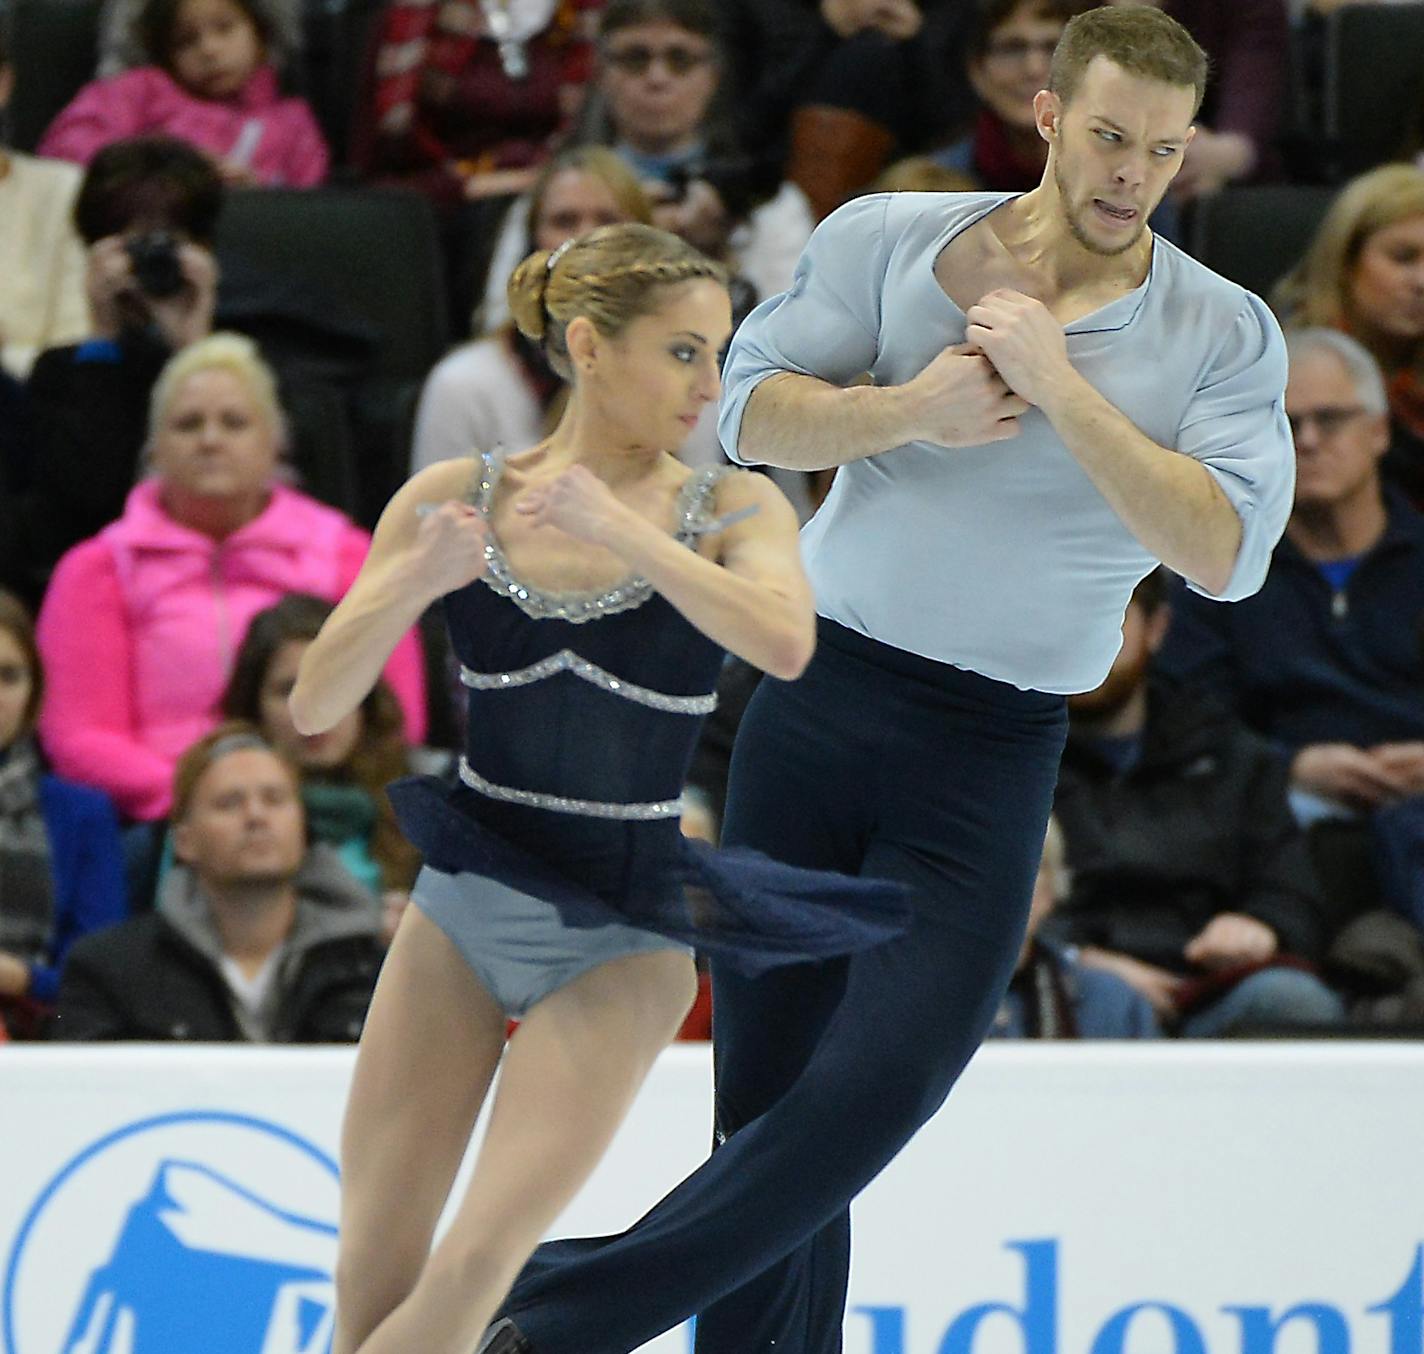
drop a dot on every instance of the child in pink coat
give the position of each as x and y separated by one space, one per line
211 85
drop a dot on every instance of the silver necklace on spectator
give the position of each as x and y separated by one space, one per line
500 22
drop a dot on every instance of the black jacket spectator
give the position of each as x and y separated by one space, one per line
1199 826
157 976
1305 663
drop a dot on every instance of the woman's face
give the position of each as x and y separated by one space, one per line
16 684
659 79
655 378
311 752
1386 286
575 203
1015 64
216 48
215 440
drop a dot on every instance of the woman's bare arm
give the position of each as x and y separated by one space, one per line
416 557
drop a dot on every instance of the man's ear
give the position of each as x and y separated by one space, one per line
1047 114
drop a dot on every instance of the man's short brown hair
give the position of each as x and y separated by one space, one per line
235 735
1141 40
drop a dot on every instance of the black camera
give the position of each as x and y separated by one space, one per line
734 178
156 268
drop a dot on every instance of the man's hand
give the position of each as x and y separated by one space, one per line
1019 335
1352 775
14 975
1229 940
899 20
959 400
1156 984
1404 762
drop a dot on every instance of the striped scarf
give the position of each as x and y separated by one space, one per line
26 880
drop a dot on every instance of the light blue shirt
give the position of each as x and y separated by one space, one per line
1004 558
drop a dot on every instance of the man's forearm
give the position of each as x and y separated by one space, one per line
799 422
1169 501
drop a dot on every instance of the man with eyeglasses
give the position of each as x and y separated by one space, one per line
1326 659
1007 65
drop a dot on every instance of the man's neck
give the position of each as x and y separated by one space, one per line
1034 229
1340 530
252 921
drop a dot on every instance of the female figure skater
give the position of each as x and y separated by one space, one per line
591 584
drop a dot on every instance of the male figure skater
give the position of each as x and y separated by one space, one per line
1059 401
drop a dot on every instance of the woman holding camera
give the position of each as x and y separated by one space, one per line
147 212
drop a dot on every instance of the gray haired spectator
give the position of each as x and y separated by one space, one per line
1325 660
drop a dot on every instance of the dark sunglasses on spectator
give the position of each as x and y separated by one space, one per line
637 57
1330 420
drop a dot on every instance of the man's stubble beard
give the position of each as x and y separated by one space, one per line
1075 227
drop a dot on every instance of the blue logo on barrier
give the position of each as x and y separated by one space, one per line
1258 1329
195 1231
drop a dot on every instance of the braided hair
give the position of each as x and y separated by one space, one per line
611 276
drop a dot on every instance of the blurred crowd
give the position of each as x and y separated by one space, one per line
253 257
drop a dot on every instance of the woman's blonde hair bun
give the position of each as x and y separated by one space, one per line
611 276
528 286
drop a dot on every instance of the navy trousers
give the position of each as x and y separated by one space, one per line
875 762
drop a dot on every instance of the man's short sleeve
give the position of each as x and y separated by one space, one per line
826 325
1235 425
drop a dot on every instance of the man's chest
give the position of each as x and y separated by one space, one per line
975 262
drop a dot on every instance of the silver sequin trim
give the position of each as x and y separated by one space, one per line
566 660
586 808
578 607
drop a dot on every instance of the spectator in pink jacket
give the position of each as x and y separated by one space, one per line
141 623
210 84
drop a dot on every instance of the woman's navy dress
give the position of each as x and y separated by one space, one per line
583 713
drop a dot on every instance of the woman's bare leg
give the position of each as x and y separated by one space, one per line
432 1041
570 1075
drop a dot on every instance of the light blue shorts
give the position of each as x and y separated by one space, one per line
519 947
